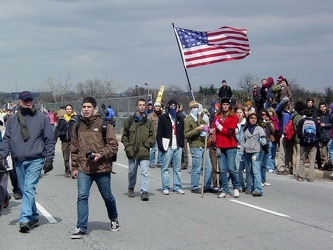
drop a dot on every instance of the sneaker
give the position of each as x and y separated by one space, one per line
165 192
130 193
211 190
152 165
223 195
196 191
24 227
262 185
266 184
17 196
236 193
6 202
78 234
281 169
144 196
270 171
33 223
247 191
114 225
179 191
255 193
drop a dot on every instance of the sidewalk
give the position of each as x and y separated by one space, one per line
318 173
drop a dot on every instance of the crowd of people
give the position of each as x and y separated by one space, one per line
232 144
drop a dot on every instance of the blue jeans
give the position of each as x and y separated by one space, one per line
240 166
197 158
174 156
227 164
28 174
132 173
84 182
153 153
264 159
271 156
330 150
253 172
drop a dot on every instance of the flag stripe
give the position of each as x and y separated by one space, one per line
220 45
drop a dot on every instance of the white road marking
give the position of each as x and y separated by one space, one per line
262 209
121 165
46 214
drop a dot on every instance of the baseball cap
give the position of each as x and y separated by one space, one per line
25 95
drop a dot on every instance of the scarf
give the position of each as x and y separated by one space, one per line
68 117
251 128
21 112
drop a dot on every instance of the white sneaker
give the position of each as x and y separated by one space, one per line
267 184
165 192
223 195
270 171
262 185
236 193
179 191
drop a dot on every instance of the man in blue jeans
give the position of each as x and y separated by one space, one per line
29 139
91 155
170 131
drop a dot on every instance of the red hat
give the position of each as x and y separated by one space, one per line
280 78
270 81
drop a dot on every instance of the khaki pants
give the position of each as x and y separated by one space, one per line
296 157
323 148
66 149
310 152
213 159
285 153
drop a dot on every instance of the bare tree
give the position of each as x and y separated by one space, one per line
246 84
60 89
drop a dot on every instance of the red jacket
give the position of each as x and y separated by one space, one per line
226 137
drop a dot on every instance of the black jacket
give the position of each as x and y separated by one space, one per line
164 130
225 91
300 132
64 129
325 131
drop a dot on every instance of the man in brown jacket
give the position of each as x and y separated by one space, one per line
91 161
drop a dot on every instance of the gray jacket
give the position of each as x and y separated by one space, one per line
250 143
41 143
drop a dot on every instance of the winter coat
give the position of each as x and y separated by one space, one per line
250 142
225 91
89 138
138 137
283 116
191 134
325 131
154 118
64 129
226 137
165 131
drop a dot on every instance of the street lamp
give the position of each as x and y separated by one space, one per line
147 84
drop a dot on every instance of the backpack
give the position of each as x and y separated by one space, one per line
289 130
276 88
104 128
309 132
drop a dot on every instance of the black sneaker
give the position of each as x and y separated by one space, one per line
17 195
33 223
196 191
114 225
24 227
78 234
144 196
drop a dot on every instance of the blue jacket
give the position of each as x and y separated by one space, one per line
41 143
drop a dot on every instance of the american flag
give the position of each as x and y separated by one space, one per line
207 47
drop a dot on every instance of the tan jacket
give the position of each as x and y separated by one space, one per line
89 137
154 118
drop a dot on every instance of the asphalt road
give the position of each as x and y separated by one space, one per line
290 215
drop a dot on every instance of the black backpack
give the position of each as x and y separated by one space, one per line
104 128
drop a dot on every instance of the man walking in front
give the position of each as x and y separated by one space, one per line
91 155
138 137
29 139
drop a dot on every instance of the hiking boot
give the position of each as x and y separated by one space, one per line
78 234
114 225
144 196
6 202
24 227
165 192
196 191
33 223
255 193
236 193
130 193
223 195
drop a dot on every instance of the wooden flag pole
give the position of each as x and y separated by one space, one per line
204 167
188 79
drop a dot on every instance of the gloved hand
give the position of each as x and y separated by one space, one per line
218 125
3 164
285 99
48 166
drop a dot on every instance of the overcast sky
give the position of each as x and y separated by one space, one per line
132 42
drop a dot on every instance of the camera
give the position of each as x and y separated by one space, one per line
89 154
